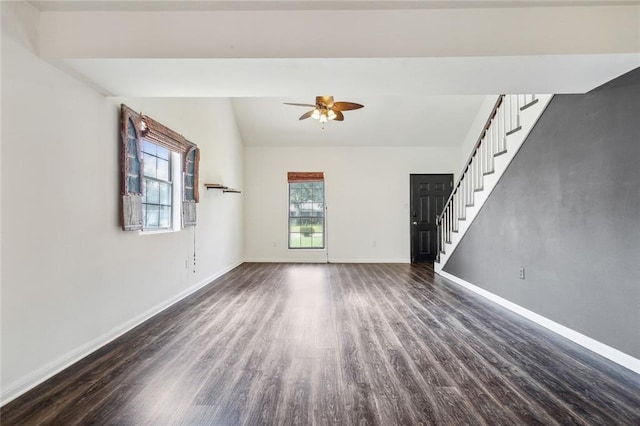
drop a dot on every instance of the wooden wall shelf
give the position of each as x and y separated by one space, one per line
221 187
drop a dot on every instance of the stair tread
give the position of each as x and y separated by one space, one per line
530 104
512 131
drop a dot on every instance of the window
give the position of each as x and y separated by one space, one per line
306 210
156 201
155 180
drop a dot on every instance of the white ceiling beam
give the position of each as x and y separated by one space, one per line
340 33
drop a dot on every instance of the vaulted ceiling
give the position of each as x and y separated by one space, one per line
421 68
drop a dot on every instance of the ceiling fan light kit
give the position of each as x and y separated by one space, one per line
326 109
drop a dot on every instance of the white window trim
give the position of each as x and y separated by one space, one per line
324 219
176 198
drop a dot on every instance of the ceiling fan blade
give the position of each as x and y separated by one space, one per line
339 116
304 105
346 106
325 100
306 115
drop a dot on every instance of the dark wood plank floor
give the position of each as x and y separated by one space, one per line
335 344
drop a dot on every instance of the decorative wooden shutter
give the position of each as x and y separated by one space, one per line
131 169
190 195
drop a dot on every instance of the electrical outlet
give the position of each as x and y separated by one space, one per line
522 273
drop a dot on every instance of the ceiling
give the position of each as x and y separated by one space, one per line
422 80
198 5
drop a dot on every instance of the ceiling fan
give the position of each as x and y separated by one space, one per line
326 109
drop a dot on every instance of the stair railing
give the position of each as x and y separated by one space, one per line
503 121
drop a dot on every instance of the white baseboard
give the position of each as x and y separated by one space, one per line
283 260
47 371
587 342
355 260
337 260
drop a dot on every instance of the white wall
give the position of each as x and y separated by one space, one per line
71 279
367 196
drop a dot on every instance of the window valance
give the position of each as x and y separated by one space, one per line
305 177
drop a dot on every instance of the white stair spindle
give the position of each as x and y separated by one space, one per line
483 158
483 161
444 230
454 225
470 183
451 221
512 113
463 198
471 174
509 99
474 169
494 135
474 178
446 224
490 149
483 151
497 133
440 238
479 160
456 209
503 126
465 202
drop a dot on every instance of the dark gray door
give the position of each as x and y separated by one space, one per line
428 195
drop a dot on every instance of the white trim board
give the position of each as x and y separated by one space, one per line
49 370
283 260
352 260
337 260
587 342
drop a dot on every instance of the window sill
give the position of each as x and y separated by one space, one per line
157 231
307 248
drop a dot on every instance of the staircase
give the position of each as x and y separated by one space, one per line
510 122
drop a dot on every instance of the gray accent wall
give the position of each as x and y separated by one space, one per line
568 211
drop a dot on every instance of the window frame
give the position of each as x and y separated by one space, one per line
171 166
176 189
306 178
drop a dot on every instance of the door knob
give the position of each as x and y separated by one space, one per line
415 223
